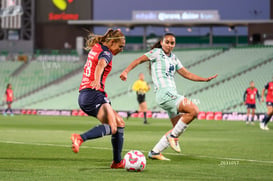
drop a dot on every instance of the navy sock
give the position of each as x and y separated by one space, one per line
97 132
267 119
246 118
145 117
252 118
117 144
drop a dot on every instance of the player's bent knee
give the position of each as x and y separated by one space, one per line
195 112
120 122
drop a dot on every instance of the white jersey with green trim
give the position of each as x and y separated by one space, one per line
163 68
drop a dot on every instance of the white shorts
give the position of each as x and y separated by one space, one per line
169 100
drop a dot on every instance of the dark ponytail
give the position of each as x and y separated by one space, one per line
157 45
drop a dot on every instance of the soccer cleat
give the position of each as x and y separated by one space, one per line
252 123
246 122
121 164
266 128
174 143
157 156
263 126
76 142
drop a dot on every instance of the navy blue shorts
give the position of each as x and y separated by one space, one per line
269 104
90 101
251 106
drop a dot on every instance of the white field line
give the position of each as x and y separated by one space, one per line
177 154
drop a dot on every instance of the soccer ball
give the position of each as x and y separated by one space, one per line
134 161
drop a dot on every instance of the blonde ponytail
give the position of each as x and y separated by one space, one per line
110 34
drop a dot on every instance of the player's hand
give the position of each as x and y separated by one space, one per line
212 77
244 103
262 99
95 85
123 76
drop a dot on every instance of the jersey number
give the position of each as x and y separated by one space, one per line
171 69
88 68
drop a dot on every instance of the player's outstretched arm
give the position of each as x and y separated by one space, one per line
123 75
188 75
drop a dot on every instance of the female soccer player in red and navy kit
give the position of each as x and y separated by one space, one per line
93 99
9 99
250 100
269 104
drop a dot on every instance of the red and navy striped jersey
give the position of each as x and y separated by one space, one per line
9 95
97 53
250 95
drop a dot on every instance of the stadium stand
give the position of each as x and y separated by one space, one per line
37 74
231 92
235 66
261 75
54 90
63 101
190 57
7 68
226 64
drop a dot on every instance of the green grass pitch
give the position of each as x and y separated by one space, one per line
38 148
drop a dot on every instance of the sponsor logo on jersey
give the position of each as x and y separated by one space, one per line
93 53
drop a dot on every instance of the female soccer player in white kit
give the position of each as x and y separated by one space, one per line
163 65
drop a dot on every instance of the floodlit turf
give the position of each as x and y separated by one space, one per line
38 148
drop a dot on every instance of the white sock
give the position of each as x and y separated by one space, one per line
161 145
179 128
